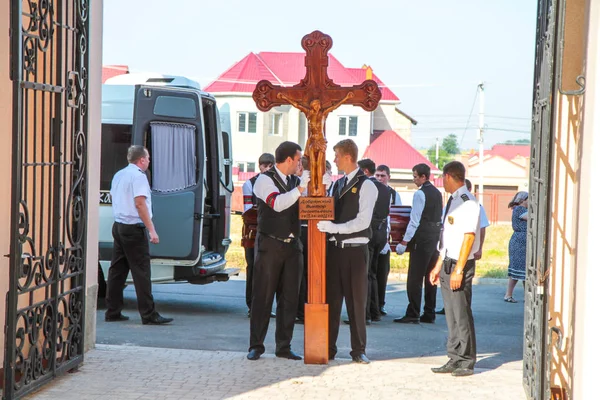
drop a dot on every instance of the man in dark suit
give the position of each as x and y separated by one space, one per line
347 251
278 259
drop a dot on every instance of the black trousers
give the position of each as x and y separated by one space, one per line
131 252
277 271
422 260
376 244
347 279
303 294
249 254
461 346
383 270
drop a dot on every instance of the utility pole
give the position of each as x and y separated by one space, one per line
480 138
437 152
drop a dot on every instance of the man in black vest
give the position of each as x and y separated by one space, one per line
422 235
347 250
265 162
378 240
278 259
383 175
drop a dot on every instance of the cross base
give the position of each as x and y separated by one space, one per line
316 333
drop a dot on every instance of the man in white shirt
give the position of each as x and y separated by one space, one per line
347 250
422 235
484 223
132 210
455 270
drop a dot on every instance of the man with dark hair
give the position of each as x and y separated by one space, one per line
132 210
455 269
422 235
347 250
379 223
265 162
278 260
484 223
383 175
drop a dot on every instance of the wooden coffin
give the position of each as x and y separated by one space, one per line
249 227
399 218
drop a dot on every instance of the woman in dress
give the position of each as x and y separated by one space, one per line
517 247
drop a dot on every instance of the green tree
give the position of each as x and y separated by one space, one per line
448 150
450 144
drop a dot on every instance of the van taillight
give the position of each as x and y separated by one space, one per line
202 271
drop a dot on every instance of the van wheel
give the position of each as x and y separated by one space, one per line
101 283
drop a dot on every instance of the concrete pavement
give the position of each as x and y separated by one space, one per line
128 372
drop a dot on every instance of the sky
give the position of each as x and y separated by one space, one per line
431 53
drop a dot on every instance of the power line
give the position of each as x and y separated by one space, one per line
470 113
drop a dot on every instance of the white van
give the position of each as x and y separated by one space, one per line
190 174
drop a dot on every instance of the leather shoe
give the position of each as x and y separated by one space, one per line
290 355
360 359
382 311
376 318
156 319
427 319
445 369
407 320
367 322
299 321
253 355
116 318
462 372
441 312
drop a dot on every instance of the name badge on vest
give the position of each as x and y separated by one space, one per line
354 190
451 219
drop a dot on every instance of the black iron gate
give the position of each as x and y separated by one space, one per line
46 298
536 371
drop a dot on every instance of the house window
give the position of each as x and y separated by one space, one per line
275 124
251 167
241 166
348 126
247 122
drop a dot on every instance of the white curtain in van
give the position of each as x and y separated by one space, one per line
173 156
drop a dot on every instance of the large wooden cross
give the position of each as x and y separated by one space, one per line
316 96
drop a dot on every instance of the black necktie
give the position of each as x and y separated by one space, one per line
289 183
343 183
448 204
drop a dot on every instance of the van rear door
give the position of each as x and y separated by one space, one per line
169 122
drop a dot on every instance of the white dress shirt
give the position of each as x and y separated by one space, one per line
127 184
462 218
416 212
265 187
247 194
366 202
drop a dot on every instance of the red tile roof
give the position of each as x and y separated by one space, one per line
286 69
506 151
110 71
390 149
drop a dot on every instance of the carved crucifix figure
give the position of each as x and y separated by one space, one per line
316 96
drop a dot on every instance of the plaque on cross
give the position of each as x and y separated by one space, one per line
316 95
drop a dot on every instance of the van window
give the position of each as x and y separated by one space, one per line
175 107
116 139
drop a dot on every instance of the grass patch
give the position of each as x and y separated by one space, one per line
494 263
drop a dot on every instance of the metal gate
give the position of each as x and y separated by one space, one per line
536 371
46 298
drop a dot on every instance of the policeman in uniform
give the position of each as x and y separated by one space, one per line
422 235
278 259
265 162
383 262
347 250
455 269
132 210
379 224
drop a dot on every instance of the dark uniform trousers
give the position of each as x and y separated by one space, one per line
423 257
376 244
249 254
383 270
303 294
461 345
347 279
131 251
277 270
